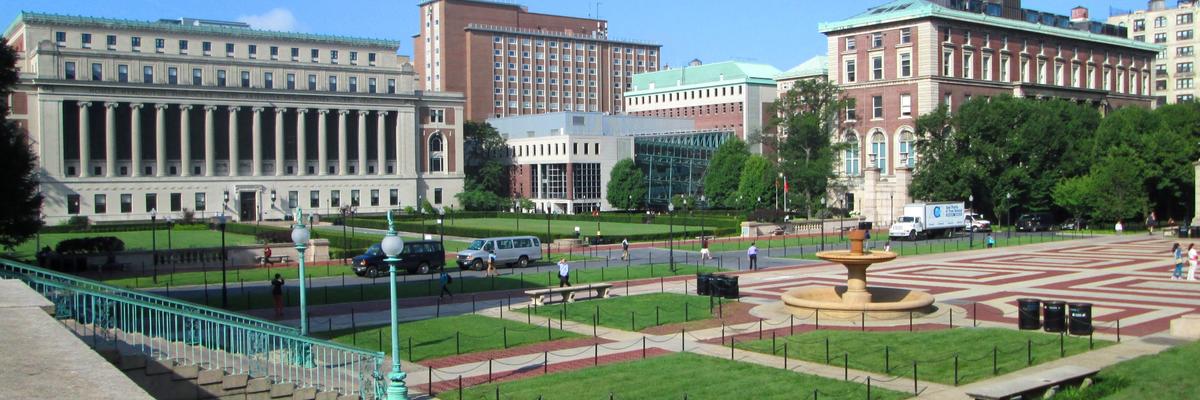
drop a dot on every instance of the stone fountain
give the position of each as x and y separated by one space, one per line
854 298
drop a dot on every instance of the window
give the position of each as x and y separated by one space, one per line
201 204
1183 67
1139 25
876 106
1183 83
314 54
312 82
173 75
948 63
876 40
126 203
147 74
877 68
946 34
968 66
1160 22
391 86
371 85
135 42
1160 38
985 67
183 46
437 116
393 197
1160 85
850 43
435 152
851 156
160 45
122 73
905 65
333 83
1183 19
851 113
99 204
268 80
245 79
1041 72
197 76
1058 74
314 199
905 35
1183 35
1075 82
354 200
221 77
97 72
905 105
1184 98
437 196
86 40
69 70
374 192
151 202
60 38
851 73
353 84
1108 79
291 81
1140 38
908 156
252 50
293 199
1091 77
274 52
72 204
335 198
229 49
111 42
176 200
295 54
1184 51
333 56
879 152
371 58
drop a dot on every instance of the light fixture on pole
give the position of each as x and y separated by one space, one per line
1008 212
822 223
300 236
777 191
170 226
971 229
702 202
441 227
392 246
154 241
671 235
224 256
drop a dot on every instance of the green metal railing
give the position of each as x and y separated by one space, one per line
25 270
208 338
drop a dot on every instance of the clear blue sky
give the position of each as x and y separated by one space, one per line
778 32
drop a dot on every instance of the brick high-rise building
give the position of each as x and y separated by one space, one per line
509 61
904 58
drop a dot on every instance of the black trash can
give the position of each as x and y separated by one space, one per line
703 284
1054 316
1080 318
729 287
1028 311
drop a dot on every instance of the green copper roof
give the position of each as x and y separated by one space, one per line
704 75
816 66
32 18
901 10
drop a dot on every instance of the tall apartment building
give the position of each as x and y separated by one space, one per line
133 117
1174 28
509 61
904 58
726 95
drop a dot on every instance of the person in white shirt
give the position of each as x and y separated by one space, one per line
1193 257
564 273
1119 228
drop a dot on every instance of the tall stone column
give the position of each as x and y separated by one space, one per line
256 142
406 132
322 142
279 140
110 139
870 201
341 140
233 140
380 142
185 140
210 141
301 141
85 143
362 142
135 139
160 139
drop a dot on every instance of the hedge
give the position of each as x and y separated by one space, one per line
140 226
492 232
90 245
632 218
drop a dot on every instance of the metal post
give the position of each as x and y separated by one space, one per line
225 288
396 389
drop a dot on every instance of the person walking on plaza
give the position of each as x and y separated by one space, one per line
445 281
991 241
752 252
491 268
1193 257
625 249
1177 251
266 254
564 273
1119 228
277 294
1151 222
704 253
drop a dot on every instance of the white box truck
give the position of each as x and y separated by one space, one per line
922 220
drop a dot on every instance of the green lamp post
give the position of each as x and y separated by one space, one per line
300 236
392 245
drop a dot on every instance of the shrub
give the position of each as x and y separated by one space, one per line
273 237
89 245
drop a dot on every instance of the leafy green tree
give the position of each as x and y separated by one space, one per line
724 172
806 119
626 186
480 200
20 209
1120 184
757 182
481 142
1075 195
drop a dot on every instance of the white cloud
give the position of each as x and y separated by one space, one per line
279 19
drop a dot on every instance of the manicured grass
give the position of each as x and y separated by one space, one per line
1170 375
677 376
933 351
632 313
447 336
535 226
517 279
237 275
141 240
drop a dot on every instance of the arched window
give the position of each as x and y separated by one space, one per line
435 153
879 152
852 155
908 153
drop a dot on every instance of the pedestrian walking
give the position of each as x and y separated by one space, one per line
277 294
625 249
1177 251
887 246
491 268
752 252
1193 257
266 257
704 253
445 280
1119 228
1151 222
991 241
564 273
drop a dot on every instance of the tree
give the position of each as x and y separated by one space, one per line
480 200
724 172
21 208
481 142
756 183
806 119
1120 184
626 186
1075 195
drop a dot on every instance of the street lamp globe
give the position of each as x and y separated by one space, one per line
300 233
392 245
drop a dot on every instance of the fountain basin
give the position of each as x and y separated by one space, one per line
884 303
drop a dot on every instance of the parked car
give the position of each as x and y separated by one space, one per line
418 257
976 223
1033 222
1073 224
513 250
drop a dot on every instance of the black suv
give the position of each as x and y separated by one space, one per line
418 257
1033 222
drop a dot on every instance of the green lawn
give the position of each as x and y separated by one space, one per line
677 376
447 336
516 279
1170 375
535 226
632 313
141 240
933 350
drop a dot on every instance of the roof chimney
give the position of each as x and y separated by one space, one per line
1079 14
1157 5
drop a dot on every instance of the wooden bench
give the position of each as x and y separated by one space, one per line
1032 384
272 259
538 296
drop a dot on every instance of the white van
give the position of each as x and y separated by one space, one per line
512 250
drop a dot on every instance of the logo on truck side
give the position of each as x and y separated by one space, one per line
937 212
